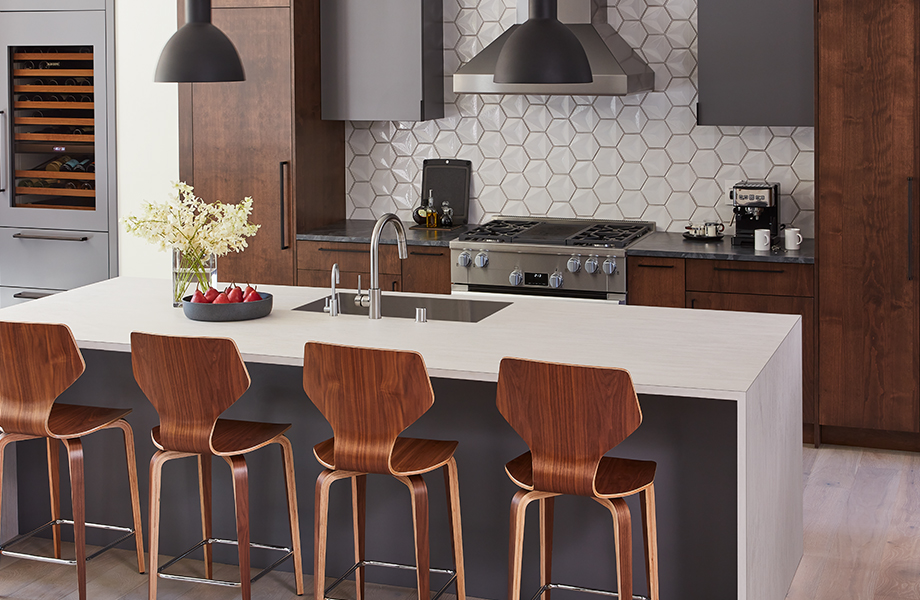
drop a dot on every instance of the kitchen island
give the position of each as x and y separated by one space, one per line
720 394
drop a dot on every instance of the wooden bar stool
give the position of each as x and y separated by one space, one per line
191 381
369 396
570 416
38 361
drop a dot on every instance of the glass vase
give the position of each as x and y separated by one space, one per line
192 268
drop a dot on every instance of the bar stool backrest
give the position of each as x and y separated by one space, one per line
368 396
38 361
190 381
569 416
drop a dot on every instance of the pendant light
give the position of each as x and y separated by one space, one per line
542 50
199 51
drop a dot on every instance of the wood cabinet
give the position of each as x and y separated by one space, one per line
654 281
866 223
427 270
264 137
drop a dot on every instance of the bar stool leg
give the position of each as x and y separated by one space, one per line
290 486
54 487
622 531
77 499
650 535
204 499
358 512
241 501
321 525
516 537
452 489
160 458
546 543
419 492
135 495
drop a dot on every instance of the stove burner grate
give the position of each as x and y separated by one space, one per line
498 230
608 235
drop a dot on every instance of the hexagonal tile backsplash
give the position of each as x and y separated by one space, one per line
633 157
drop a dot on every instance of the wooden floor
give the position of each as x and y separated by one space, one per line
862 542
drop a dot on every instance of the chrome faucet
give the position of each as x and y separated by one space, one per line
374 289
332 305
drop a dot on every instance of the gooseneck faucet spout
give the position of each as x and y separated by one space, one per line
374 290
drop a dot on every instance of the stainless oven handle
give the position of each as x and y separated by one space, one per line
56 238
3 143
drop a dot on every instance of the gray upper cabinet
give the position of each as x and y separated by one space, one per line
756 62
382 60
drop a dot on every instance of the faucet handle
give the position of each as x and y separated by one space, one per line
362 300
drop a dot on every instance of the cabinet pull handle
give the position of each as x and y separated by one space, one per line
45 236
343 250
3 160
655 266
910 229
284 246
693 303
32 295
749 270
395 288
414 253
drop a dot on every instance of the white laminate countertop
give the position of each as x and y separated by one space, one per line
675 352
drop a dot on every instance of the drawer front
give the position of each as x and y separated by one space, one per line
427 270
653 281
739 277
348 280
318 256
11 295
52 259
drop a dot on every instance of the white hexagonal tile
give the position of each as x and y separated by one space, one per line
756 165
509 18
404 169
656 105
656 19
584 174
491 10
561 132
491 117
538 145
804 195
538 201
538 173
783 131
584 202
804 166
471 153
785 176
383 182
492 171
656 48
681 9
383 131
756 138
383 156
537 117
681 177
706 192
782 151
515 186
632 119
468 47
633 33
560 107
681 120
681 206
632 204
404 142
469 130
608 189
681 92
514 159
363 213
488 33
681 63
423 151
731 129
805 220
706 137
632 147
584 118
804 138
608 161
662 77
681 34
731 150
608 133
658 214
681 148
656 162
561 160
514 131
584 146
561 210
425 132
450 120
514 105
609 211
361 141
728 176
656 190
492 199
607 107
560 188
632 176
447 143
656 134
383 205
534 99
362 194
515 208
361 168
788 210
706 163
405 196
492 144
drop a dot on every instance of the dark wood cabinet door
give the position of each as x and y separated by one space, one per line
866 151
653 281
784 305
426 270
242 142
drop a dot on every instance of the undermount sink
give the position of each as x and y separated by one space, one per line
439 309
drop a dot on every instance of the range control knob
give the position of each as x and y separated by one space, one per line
481 260
573 264
465 259
555 280
610 266
516 277
591 265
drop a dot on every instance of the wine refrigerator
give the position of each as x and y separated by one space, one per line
57 192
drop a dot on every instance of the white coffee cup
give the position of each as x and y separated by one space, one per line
761 239
793 238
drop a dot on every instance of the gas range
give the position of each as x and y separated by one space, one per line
554 257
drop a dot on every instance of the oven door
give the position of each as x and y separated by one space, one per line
618 298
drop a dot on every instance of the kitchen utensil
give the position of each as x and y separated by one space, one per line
793 238
714 228
762 239
756 206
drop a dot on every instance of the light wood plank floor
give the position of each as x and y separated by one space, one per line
862 542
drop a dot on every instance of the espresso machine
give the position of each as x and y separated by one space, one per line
756 206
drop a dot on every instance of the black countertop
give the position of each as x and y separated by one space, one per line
359 231
674 245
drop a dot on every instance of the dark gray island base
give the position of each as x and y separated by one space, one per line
693 440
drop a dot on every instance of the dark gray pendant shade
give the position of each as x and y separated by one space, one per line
542 50
199 51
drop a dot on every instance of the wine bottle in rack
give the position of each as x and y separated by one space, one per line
86 164
87 185
27 64
49 64
54 164
70 185
72 165
91 167
68 98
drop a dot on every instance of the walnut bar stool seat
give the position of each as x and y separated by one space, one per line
570 416
369 396
170 371
38 362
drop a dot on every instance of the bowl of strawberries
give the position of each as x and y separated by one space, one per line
232 304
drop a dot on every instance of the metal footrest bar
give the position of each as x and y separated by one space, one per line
128 531
377 563
160 571
575 588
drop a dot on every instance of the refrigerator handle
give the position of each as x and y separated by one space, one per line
284 228
3 160
910 229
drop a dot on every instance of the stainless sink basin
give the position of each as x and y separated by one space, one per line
438 309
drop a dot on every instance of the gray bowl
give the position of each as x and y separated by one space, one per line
236 311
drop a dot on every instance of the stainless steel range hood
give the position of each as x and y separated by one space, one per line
616 68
